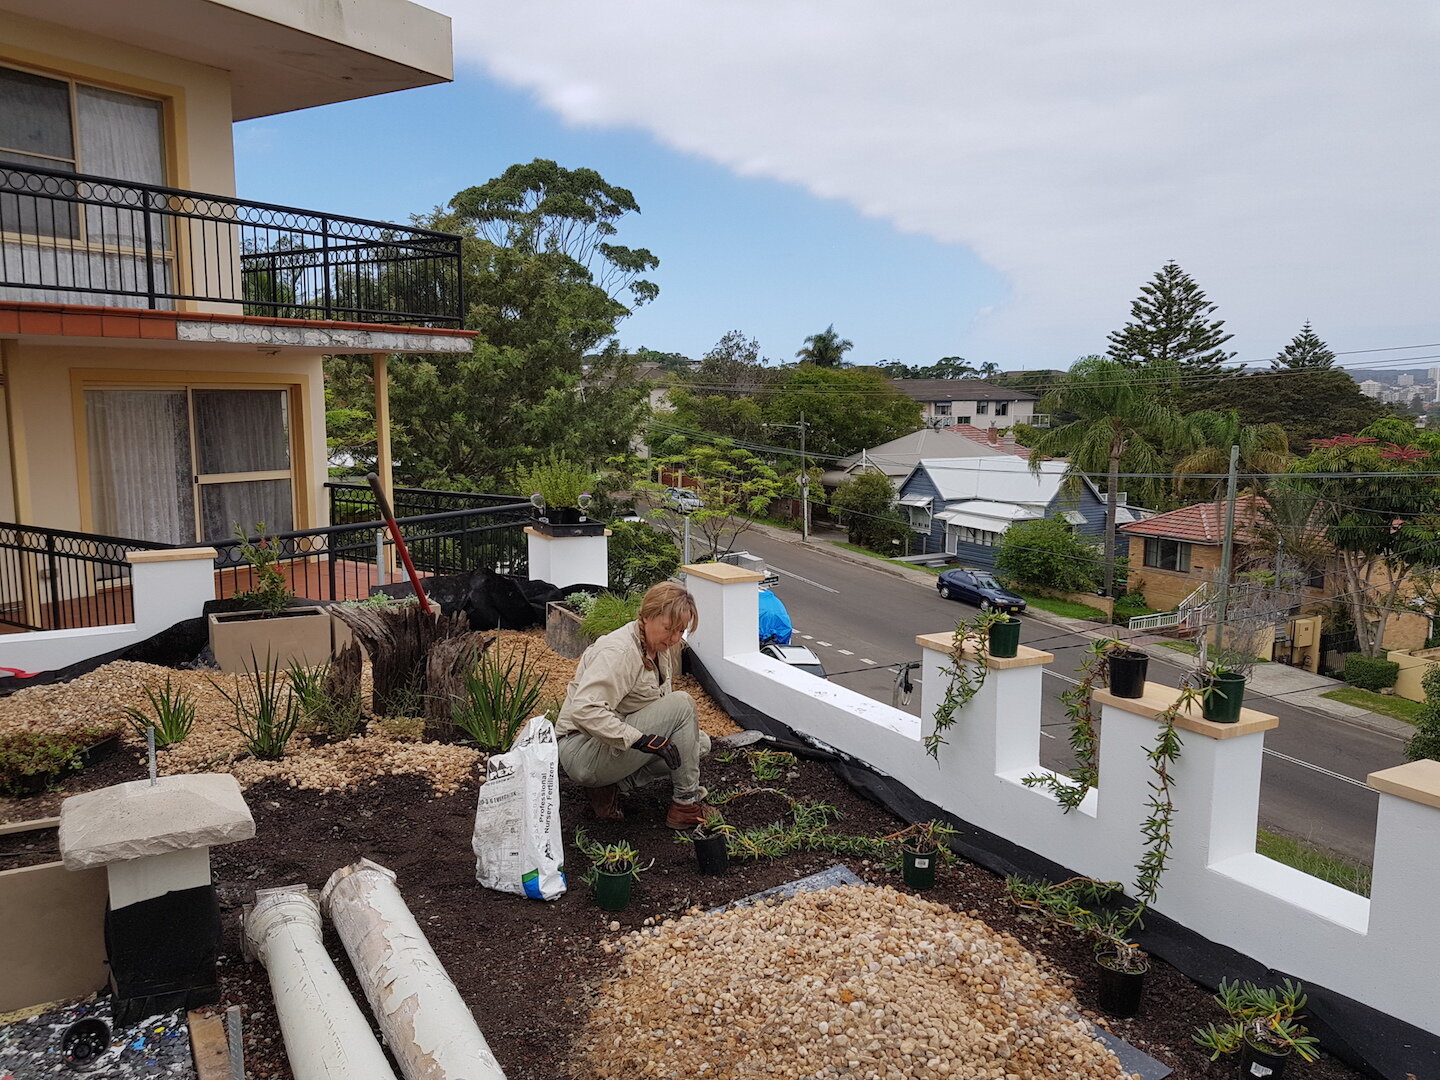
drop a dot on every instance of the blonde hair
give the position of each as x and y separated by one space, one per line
671 602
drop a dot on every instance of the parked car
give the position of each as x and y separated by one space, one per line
979 588
683 500
797 656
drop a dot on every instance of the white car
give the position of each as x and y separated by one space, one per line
797 656
683 500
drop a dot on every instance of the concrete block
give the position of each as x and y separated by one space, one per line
135 820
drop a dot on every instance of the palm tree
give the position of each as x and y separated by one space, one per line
1122 422
1264 450
825 349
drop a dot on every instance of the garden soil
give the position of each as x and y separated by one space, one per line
531 970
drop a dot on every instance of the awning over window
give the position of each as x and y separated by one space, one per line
963 520
1074 517
916 500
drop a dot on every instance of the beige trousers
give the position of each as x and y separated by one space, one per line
593 763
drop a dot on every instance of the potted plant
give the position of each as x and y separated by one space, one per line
1264 1028
712 846
560 492
1123 966
1228 652
270 626
1126 669
922 846
615 868
1004 636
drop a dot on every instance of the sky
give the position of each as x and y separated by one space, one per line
947 178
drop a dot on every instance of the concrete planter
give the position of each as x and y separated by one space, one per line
299 633
562 631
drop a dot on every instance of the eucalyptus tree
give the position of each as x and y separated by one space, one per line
1123 424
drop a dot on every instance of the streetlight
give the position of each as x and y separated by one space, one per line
804 478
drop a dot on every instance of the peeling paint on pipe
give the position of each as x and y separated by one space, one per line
327 1036
426 1024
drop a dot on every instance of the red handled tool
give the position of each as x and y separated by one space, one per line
389 515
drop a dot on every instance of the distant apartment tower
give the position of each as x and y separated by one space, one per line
1405 379
1371 388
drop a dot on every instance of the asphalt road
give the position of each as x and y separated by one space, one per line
862 622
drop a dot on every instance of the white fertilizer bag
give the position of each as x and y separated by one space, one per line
517 841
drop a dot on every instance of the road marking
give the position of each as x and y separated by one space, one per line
1046 735
846 652
1319 769
807 637
1272 753
824 643
866 660
806 580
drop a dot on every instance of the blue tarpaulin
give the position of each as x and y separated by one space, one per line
774 619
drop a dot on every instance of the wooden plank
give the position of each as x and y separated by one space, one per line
207 1044
29 826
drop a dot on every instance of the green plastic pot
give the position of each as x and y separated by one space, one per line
612 891
1005 638
1221 698
918 867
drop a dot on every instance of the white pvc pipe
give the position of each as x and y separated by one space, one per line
426 1024
326 1035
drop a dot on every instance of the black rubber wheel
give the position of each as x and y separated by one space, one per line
84 1041
945 591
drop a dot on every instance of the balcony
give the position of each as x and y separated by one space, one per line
69 238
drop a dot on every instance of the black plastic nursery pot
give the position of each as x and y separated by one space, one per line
1257 1063
1128 668
1119 991
712 855
1005 638
1221 697
612 891
918 867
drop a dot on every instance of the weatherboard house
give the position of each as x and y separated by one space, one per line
962 506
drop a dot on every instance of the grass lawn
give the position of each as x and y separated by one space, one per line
1335 869
1398 707
1189 648
1066 608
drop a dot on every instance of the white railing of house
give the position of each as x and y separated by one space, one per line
1195 610
1383 951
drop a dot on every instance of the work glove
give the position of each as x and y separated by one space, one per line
660 747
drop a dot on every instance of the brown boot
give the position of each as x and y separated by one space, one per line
605 802
688 815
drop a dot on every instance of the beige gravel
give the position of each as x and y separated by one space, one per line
102 696
858 982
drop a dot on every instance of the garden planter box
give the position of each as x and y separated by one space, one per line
301 634
562 631
584 527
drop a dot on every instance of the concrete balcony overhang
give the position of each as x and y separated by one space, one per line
282 55
72 324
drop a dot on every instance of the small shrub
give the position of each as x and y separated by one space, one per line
582 602
268 715
559 482
1047 555
24 754
610 613
271 594
499 697
324 713
1425 743
172 715
1370 672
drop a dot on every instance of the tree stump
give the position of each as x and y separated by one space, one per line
398 639
446 669
342 680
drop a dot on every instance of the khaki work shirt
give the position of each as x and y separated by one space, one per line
613 680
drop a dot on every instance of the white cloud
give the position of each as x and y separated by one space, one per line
1285 154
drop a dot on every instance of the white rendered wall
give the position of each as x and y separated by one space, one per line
569 560
1382 951
168 587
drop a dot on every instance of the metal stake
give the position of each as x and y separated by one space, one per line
150 752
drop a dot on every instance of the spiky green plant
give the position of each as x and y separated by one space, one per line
268 714
499 697
171 715
324 713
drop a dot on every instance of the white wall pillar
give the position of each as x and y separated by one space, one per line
727 598
569 560
1406 875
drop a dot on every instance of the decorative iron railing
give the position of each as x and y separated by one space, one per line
53 579
72 238
350 502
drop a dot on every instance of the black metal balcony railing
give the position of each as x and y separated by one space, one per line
354 501
71 238
54 579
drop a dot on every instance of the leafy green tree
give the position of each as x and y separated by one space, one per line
1205 444
947 367
1305 352
1381 512
846 409
639 556
1170 325
1308 403
735 486
1045 554
1123 423
1425 743
545 285
825 349
865 505
721 397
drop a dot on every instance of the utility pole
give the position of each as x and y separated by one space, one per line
804 488
1227 550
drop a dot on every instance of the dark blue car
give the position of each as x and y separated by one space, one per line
979 588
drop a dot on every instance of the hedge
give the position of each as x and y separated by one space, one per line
1370 672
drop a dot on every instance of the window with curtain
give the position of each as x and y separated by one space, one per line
139 458
1165 554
